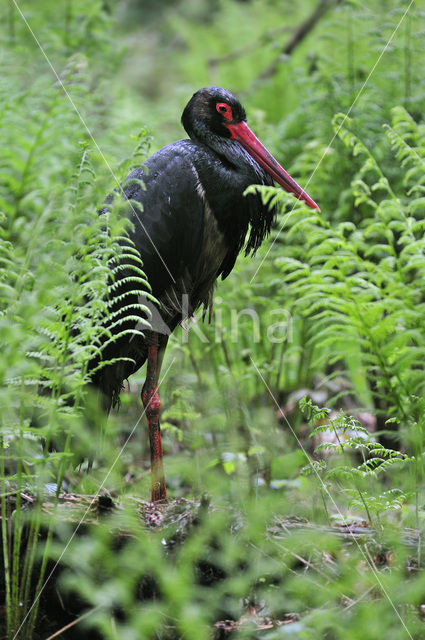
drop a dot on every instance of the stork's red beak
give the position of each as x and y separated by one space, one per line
243 134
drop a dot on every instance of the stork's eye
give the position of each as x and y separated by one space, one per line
225 110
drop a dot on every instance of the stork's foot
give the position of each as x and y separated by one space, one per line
159 492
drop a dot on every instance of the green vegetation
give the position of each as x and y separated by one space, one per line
293 423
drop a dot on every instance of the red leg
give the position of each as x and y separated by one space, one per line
152 404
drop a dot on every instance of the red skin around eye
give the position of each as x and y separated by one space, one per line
225 110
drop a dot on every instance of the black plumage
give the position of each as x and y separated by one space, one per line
191 219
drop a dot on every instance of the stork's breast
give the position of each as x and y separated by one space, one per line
214 248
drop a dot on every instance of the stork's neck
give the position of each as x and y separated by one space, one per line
229 149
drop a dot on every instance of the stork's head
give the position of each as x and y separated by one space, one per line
213 111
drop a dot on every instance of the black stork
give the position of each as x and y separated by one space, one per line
192 223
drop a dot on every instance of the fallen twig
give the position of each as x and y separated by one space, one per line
73 623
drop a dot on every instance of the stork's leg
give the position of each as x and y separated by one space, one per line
152 405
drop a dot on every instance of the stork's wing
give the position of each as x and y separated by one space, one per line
168 222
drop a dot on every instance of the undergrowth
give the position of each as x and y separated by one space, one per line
321 532
62 266
361 286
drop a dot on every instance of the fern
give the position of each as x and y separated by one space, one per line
362 287
347 436
61 264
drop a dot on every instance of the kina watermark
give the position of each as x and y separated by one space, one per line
274 326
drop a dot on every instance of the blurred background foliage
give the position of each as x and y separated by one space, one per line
331 308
